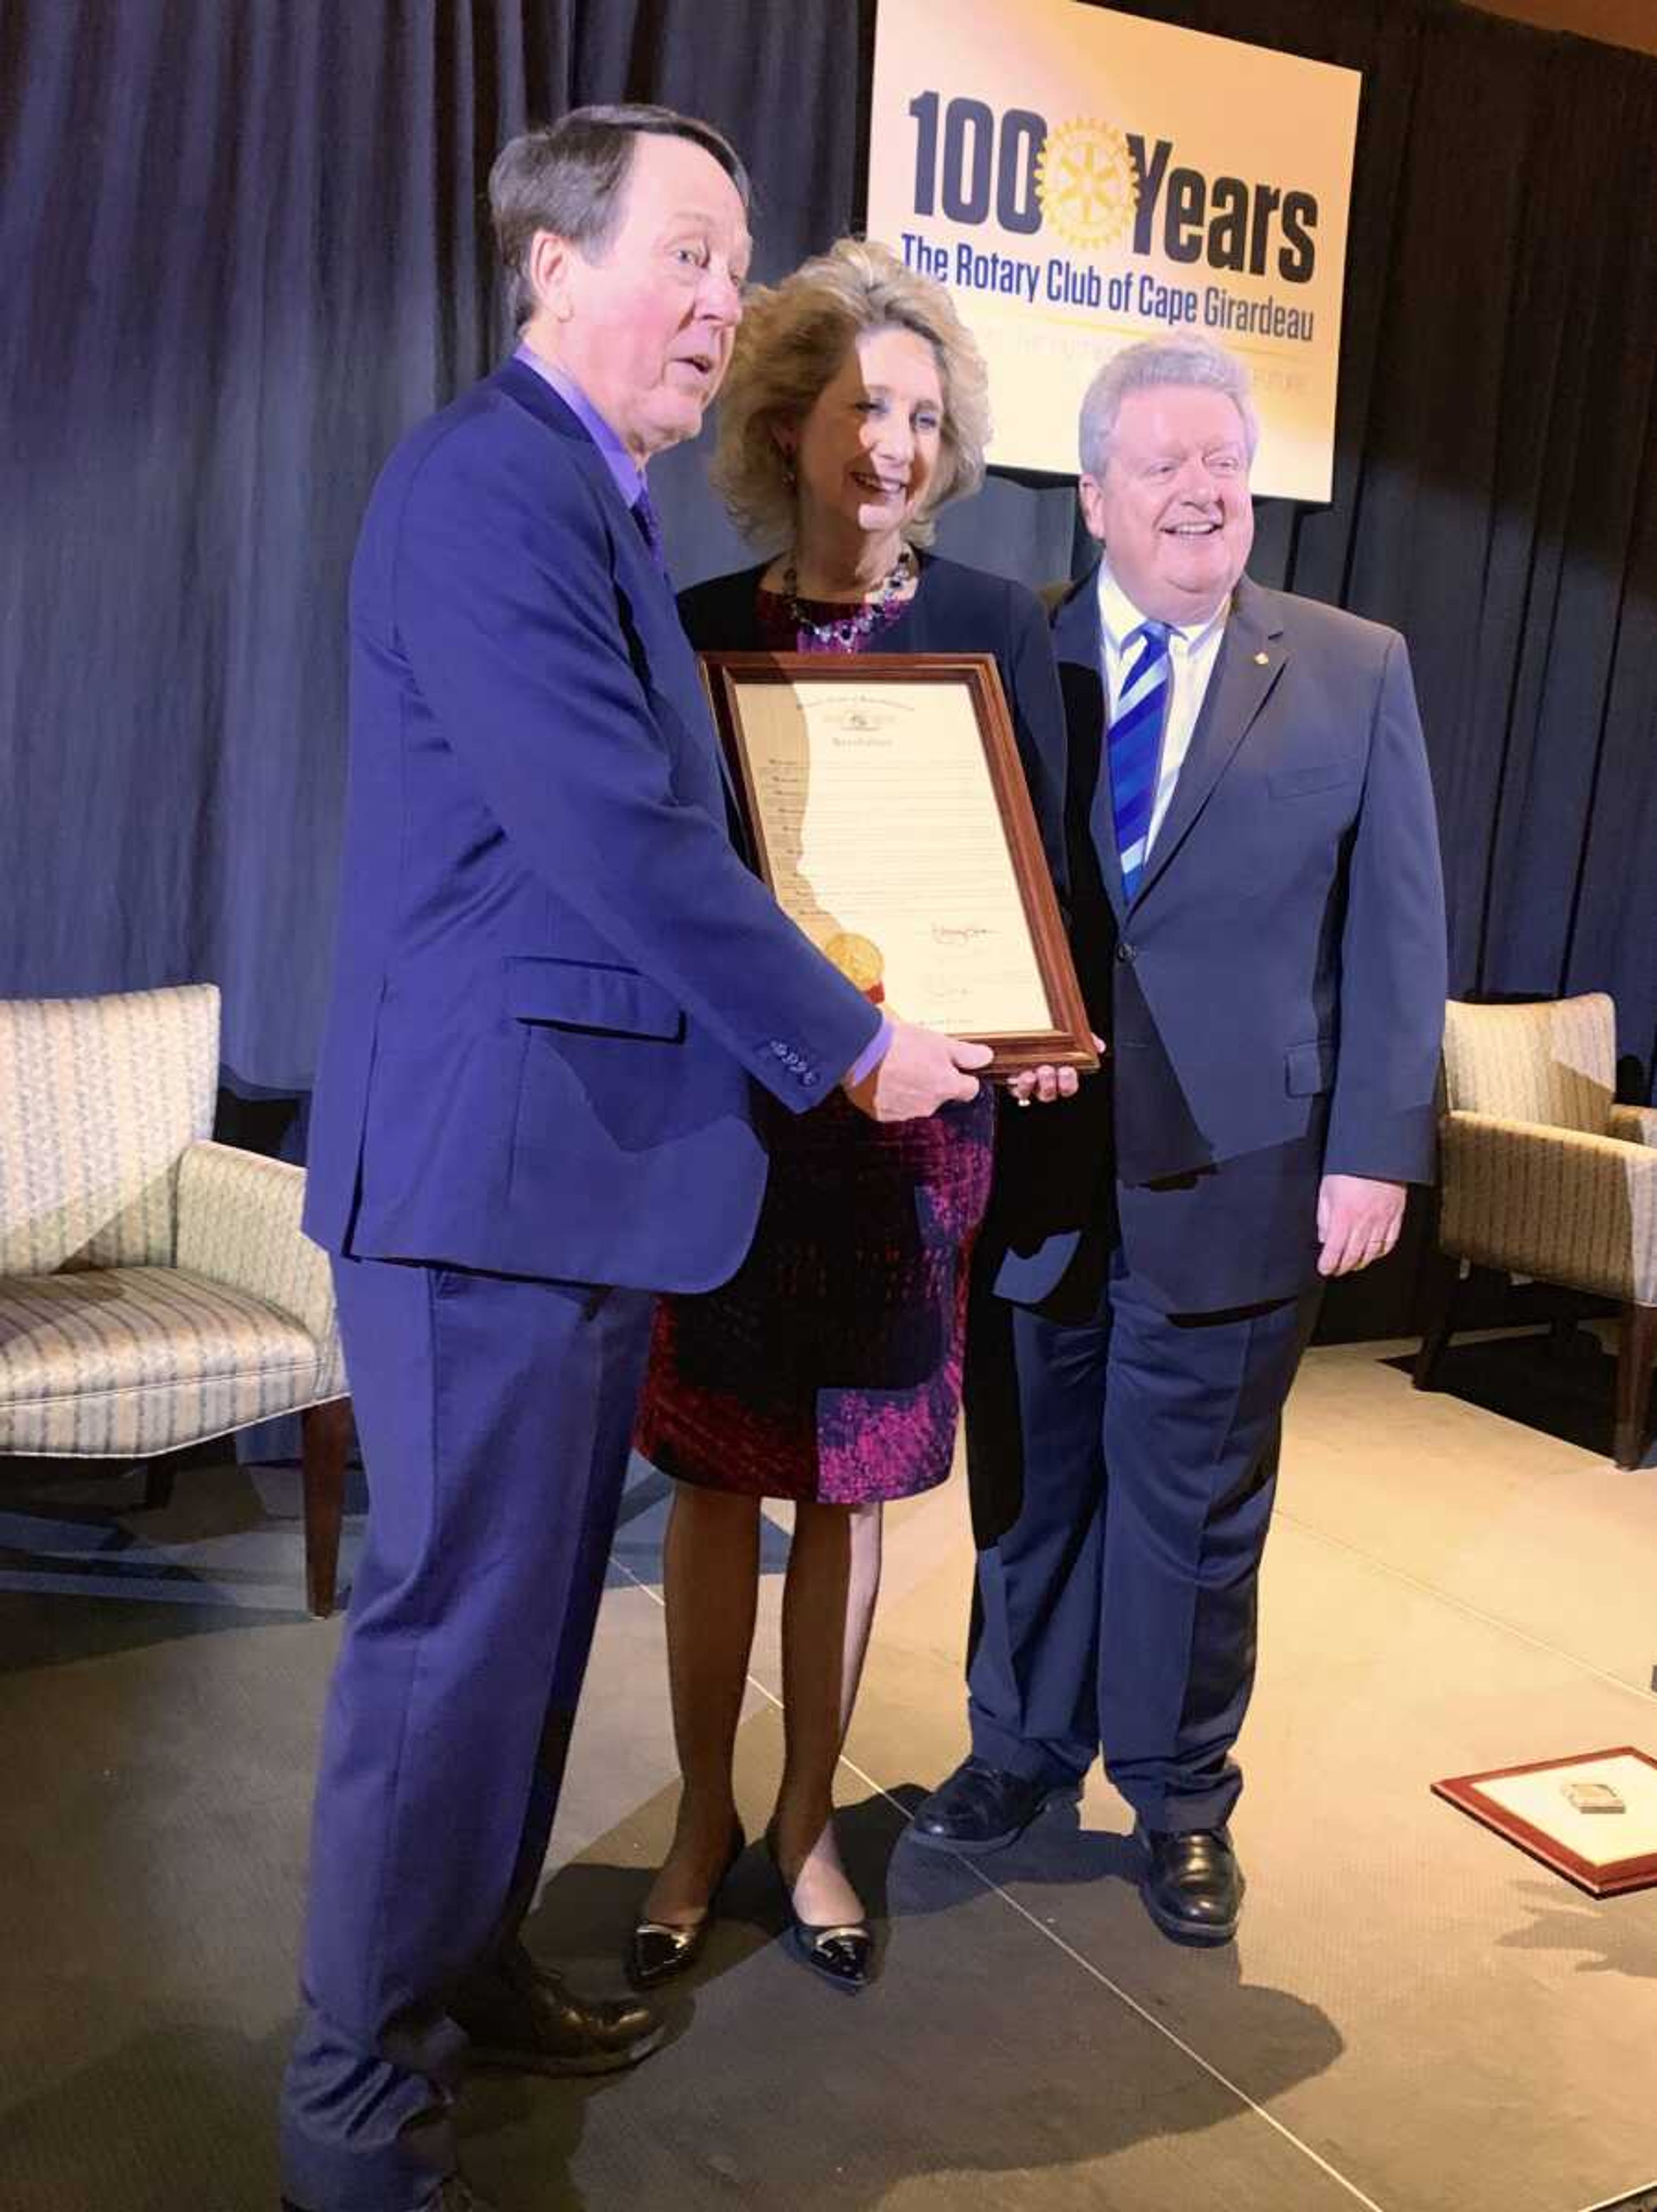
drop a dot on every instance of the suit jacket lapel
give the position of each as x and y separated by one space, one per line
517 379
1251 659
1078 648
520 381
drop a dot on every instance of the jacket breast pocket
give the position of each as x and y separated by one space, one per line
581 994
1314 775
1310 1068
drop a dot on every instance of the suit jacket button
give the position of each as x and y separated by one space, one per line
808 1081
1124 952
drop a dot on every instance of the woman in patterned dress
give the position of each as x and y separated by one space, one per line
827 1371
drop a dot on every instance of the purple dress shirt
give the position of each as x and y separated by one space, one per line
630 477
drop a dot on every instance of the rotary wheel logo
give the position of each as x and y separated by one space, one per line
1085 181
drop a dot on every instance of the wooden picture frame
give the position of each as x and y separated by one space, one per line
907 851
1599 1874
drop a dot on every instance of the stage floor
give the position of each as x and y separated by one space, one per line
1415 2017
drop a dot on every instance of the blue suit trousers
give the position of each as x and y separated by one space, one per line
1117 1613
495 1414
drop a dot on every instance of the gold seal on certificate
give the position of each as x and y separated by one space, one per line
888 815
857 959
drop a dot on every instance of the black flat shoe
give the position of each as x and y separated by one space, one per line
1192 1885
981 1809
658 1949
840 1954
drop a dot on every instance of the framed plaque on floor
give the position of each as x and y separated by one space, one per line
888 812
1592 1818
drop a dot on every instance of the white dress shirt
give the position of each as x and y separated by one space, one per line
1192 648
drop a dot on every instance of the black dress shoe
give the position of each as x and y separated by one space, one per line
658 1950
1192 1885
839 1954
519 2014
982 1809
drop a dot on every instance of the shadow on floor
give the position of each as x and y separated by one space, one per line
226 1553
184 2117
1611 1935
1057 1850
984 2048
1565 1388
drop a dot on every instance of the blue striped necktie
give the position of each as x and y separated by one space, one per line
1136 745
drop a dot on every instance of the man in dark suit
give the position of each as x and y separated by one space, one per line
555 984
1258 916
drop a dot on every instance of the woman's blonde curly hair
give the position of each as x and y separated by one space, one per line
791 343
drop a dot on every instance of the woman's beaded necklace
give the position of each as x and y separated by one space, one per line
846 632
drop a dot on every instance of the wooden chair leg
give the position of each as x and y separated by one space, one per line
158 1483
1443 1284
1634 1384
325 1439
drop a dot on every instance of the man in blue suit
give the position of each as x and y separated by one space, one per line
555 984
1257 916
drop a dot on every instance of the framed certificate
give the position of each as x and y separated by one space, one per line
1591 1817
888 815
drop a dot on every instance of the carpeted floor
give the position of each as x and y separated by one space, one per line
1415 2017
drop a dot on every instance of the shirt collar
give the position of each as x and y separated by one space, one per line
1120 617
630 477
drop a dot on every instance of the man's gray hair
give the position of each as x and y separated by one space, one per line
1147 366
567 178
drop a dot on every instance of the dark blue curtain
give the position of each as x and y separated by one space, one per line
243 247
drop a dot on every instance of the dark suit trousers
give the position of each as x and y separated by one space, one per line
1117 1613
495 1416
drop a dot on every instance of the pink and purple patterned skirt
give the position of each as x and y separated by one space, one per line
828 1368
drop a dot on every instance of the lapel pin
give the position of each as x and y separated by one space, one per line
1261 659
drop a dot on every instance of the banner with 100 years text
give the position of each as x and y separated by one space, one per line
1080 179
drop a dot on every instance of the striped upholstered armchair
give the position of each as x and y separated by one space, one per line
155 1288
1543 1175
